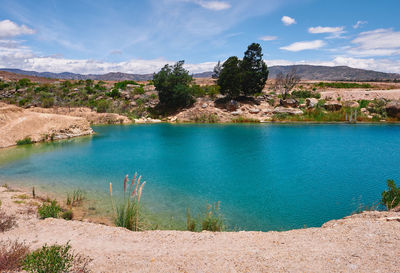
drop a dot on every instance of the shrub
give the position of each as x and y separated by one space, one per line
114 93
127 213
206 118
139 91
67 215
391 197
7 222
49 210
24 141
190 223
102 106
55 259
12 254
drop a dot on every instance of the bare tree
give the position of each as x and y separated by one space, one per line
284 83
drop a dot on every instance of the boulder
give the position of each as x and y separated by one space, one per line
289 103
333 105
204 105
311 102
351 104
232 105
237 113
393 109
287 110
254 111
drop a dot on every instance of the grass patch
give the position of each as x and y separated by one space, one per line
211 219
245 120
21 196
206 118
49 210
25 141
127 214
342 85
7 222
12 254
67 215
55 259
76 197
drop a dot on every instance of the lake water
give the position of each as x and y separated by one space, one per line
267 177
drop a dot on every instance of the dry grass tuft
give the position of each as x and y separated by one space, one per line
12 254
6 221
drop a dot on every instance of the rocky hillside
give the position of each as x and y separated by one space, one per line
307 72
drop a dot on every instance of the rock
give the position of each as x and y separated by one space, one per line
133 103
289 103
351 104
303 105
232 105
393 109
287 110
237 113
364 111
125 95
131 86
148 88
332 106
204 105
254 111
311 102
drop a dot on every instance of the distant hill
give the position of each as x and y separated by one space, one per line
306 72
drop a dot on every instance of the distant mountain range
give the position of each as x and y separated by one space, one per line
306 72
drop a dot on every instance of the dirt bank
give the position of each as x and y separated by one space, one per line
367 242
92 116
357 94
17 123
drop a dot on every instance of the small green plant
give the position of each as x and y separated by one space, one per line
127 213
12 254
67 215
343 85
212 218
55 259
49 210
391 197
76 197
190 223
206 118
24 141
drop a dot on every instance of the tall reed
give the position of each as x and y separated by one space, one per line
127 211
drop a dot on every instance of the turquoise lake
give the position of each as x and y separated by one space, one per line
267 177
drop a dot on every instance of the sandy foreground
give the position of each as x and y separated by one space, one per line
367 242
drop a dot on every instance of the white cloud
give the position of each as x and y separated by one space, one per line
306 45
214 5
268 38
318 30
287 21
379 42
359 24
11 29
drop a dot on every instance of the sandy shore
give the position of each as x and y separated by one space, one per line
367 242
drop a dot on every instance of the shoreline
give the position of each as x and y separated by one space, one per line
362 242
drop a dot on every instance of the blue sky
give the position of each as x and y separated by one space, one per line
141 36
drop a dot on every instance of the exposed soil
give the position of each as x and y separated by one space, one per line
17 123
366 242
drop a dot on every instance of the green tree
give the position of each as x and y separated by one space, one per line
254 70
391 197
229 78
172 84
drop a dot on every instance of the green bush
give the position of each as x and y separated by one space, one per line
24 141
122 85
114 93
391 197
67 215
49 210
139 91
305 94
55 259
102 106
